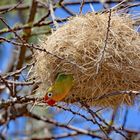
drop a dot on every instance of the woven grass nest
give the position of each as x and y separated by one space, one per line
78 48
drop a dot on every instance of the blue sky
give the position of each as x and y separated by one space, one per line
133 113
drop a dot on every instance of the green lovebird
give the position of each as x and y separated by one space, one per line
60 89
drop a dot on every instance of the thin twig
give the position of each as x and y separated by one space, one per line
71 13
93 114
102 53
18 71
27 26
78 130
26 36
52 14
11 8
2 80
81 6
18 83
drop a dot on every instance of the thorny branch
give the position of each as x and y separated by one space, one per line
94 114
27 26
78 130
17 106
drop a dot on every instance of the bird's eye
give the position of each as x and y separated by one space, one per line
49 94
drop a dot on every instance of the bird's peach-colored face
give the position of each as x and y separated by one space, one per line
48 100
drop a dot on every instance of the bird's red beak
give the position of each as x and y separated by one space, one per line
49 101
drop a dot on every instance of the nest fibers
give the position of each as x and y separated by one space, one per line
78 48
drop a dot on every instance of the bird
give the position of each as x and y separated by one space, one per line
59 89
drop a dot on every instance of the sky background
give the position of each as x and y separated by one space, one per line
133 120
